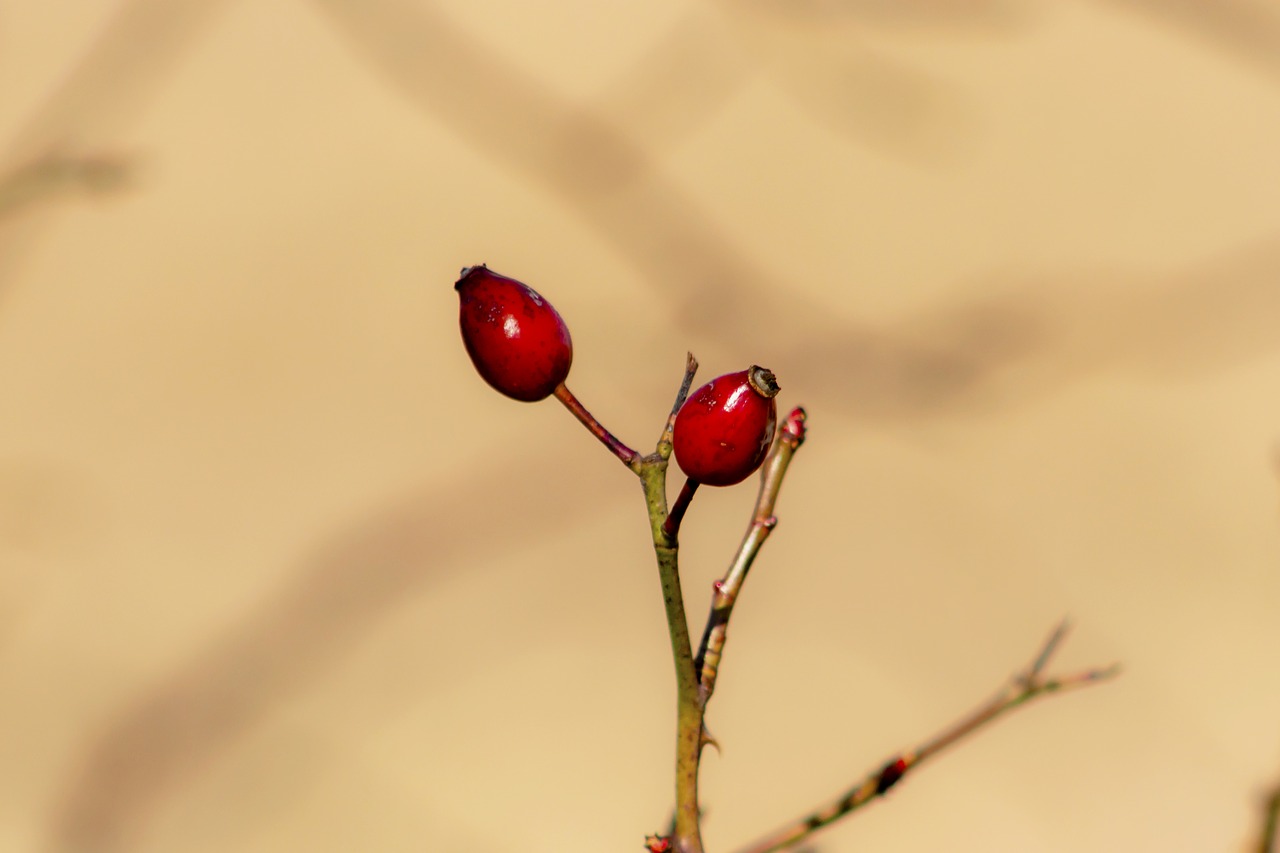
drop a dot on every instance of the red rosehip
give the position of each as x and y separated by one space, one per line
517 341
724 429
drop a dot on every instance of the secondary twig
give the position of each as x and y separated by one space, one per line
726 590
1022 688
664 441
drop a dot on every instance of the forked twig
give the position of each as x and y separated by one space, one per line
1023 687
703 666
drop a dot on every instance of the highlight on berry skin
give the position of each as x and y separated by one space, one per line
724 429
517 341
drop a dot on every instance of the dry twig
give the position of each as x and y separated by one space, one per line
1023 687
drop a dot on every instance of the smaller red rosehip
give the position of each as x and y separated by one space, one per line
724 429
517 341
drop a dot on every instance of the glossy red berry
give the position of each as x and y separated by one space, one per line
517 341
724 429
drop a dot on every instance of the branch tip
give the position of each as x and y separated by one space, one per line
793 428
1049 648
664 441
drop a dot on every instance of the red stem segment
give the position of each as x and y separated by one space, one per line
671 527
608 439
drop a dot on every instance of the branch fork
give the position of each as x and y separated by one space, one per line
696 672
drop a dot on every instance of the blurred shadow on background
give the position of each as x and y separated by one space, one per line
611 182
919 367
55 173
1248 30
982 15
1026 338
680 82
823 59
167 737
66 144
1212 315
577 156
879 102
1032 338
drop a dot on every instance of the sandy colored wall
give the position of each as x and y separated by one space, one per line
278 572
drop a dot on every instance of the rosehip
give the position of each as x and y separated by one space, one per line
517 341
724 429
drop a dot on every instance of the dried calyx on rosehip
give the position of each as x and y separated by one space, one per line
517 341
724 430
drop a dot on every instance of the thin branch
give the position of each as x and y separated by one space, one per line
1022 688
625 454
664 441
726 590
628 456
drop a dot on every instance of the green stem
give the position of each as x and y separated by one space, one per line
688 838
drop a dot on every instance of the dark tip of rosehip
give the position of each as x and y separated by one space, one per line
466 271
518 342
725 428
763 380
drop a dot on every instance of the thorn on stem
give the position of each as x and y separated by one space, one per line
708 740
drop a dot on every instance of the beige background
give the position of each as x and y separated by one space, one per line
278 572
